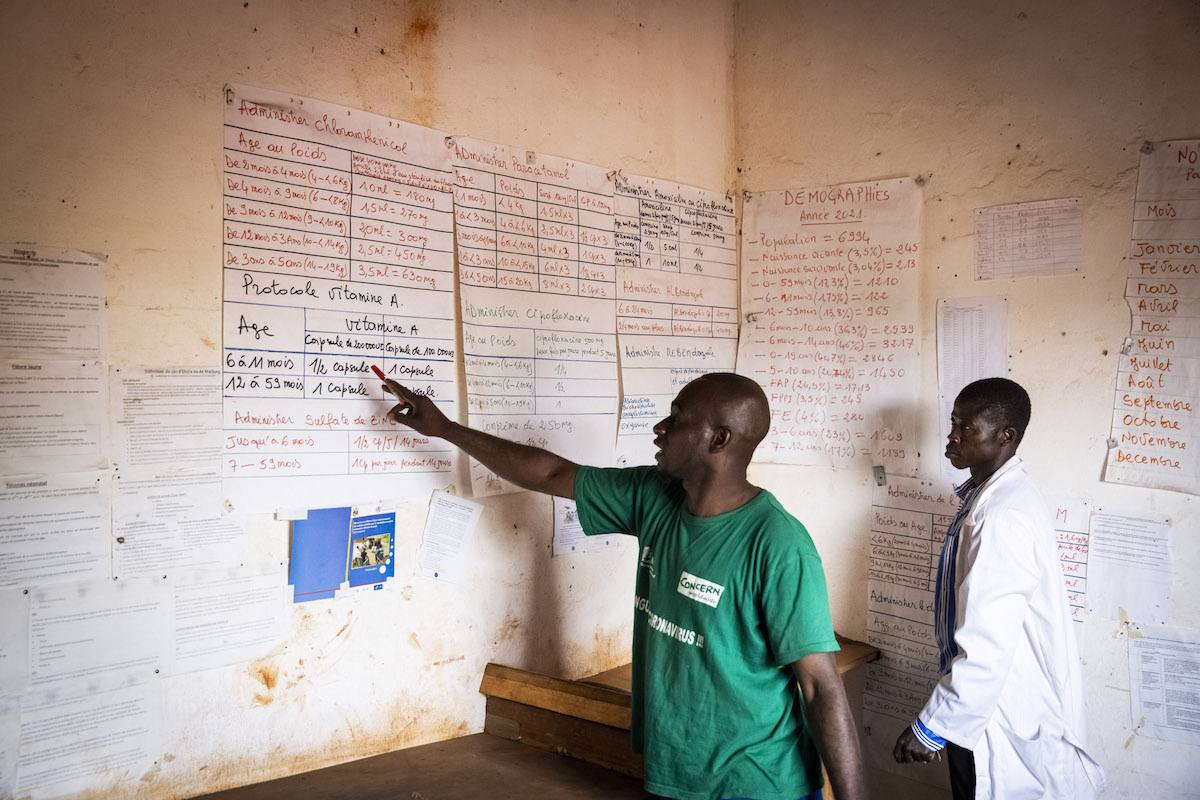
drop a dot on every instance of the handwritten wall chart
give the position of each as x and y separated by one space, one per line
829 290
338 254
676 251
1155 425
909 519
538 280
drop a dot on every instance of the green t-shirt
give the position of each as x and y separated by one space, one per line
724 605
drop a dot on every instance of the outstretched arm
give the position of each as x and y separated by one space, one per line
528 467
833 727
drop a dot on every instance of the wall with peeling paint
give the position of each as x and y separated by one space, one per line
111 143
995 102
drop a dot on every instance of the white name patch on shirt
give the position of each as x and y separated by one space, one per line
699 589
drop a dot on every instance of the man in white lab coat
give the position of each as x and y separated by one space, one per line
1009 707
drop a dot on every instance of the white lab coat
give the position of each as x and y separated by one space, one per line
1014 695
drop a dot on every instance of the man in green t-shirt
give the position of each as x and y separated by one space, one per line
731 600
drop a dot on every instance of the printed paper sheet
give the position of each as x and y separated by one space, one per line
568 533
52 303
55 416
449 528
167 511
54 529
98 633
71 742
1164 683
1131 568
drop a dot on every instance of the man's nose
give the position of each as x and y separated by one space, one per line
660 427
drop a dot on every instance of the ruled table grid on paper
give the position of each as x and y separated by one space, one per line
1027 240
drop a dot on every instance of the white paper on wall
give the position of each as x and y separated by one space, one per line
55 416
568 533
52 303
70 741
228 616
1164 683
972 339
167 511
166 420
54 529
10 740
829 292
1028 240
99 632
338 255
163 523
1072 524
1156 419
14 640
676 252
909 519
449 529
1130 568
538 283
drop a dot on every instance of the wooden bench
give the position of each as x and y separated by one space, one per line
587 719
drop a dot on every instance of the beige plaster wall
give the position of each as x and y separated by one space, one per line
111 144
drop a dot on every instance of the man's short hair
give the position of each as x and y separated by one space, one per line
1001 400
744 399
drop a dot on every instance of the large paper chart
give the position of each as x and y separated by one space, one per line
676 250
538 280
829 289
1156 422
338 255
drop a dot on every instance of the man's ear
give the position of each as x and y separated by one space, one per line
720 440
1008 435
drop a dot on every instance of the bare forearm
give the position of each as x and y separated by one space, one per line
837 741
528 467
832 725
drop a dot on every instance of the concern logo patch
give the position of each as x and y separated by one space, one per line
699 589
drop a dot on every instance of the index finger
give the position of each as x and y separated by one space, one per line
394 388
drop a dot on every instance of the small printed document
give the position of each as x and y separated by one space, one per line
167 510
228 617
568 533
97 632
54 529
448 530
1164 682
53 416
73 742
972 343
1130 568
51 303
